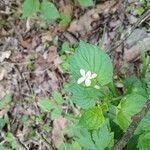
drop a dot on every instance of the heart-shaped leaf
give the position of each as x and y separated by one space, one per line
91 58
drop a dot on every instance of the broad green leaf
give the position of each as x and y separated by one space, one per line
58 98
30 7
144 141
144 124
49 11
122 120
76 146
84 97
128 107
73 146
45 105
92 118
94 140
91 58
134 85
5 101
84 138
103 138
86 3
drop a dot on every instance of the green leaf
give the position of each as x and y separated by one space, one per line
76 146
5 101
58 98
91 58
122 120
86 3
92 118
4 148
134 85
65 20
144 124
49 11
65 47
12 140
128 107
84 97
84 138
144 141
30 7
94 140
2 123
103 138
45 105
56 113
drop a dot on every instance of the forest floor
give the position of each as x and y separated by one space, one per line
33 66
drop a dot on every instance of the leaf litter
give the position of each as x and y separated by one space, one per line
30 62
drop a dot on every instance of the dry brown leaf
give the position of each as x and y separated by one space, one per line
4 55
83 25
57 134
67 9
52 54
27 43
135 51
2 73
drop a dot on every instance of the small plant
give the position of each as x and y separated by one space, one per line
47 10
53 107
106 113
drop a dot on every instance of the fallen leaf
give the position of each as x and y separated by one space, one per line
27 43
57 133
52 54
4 55
67 9
135 51
2 73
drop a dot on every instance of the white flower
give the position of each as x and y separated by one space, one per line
86 77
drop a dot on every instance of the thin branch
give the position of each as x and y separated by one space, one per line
131 129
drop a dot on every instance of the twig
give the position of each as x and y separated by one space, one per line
131 129
22 77
141 20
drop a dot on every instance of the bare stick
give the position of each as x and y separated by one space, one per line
131 129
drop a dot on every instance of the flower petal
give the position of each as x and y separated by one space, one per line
80 80
94 75
88 74
82 72
87 82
